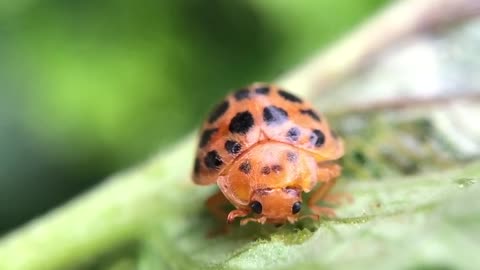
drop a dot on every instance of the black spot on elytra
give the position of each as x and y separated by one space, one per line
265 170
206 135
245 167
311 113
317 138
218 111
289 97
196 166
262 90
213 160
241 122
241 94
274 115
292 156
276 168
233 147
293 134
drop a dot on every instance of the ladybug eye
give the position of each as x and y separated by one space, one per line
256 207
296 207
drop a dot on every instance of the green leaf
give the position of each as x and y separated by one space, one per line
429 221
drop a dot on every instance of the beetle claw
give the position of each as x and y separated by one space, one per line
236 213
292 220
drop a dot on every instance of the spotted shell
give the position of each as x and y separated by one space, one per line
260 113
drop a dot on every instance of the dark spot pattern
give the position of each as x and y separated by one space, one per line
293 134
245 167
274 115
289 97
196 166
276 168
213 160
241 122
218 111
241 94
292 156
233 147
262 90
265 170
206 136
311 113
317 138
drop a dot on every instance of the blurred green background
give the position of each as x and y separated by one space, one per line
90 87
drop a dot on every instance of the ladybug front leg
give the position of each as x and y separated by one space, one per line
237 213
327 174
216 205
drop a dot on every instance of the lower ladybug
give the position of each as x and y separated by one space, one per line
265 147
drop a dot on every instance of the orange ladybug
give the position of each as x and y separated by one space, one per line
265 147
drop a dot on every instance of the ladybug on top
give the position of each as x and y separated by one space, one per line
264 147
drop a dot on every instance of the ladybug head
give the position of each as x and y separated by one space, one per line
277 205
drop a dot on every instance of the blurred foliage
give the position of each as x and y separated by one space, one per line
89 87
385 145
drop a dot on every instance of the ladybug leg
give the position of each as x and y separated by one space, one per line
327 173
215 205
318 195
331 171
236 213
